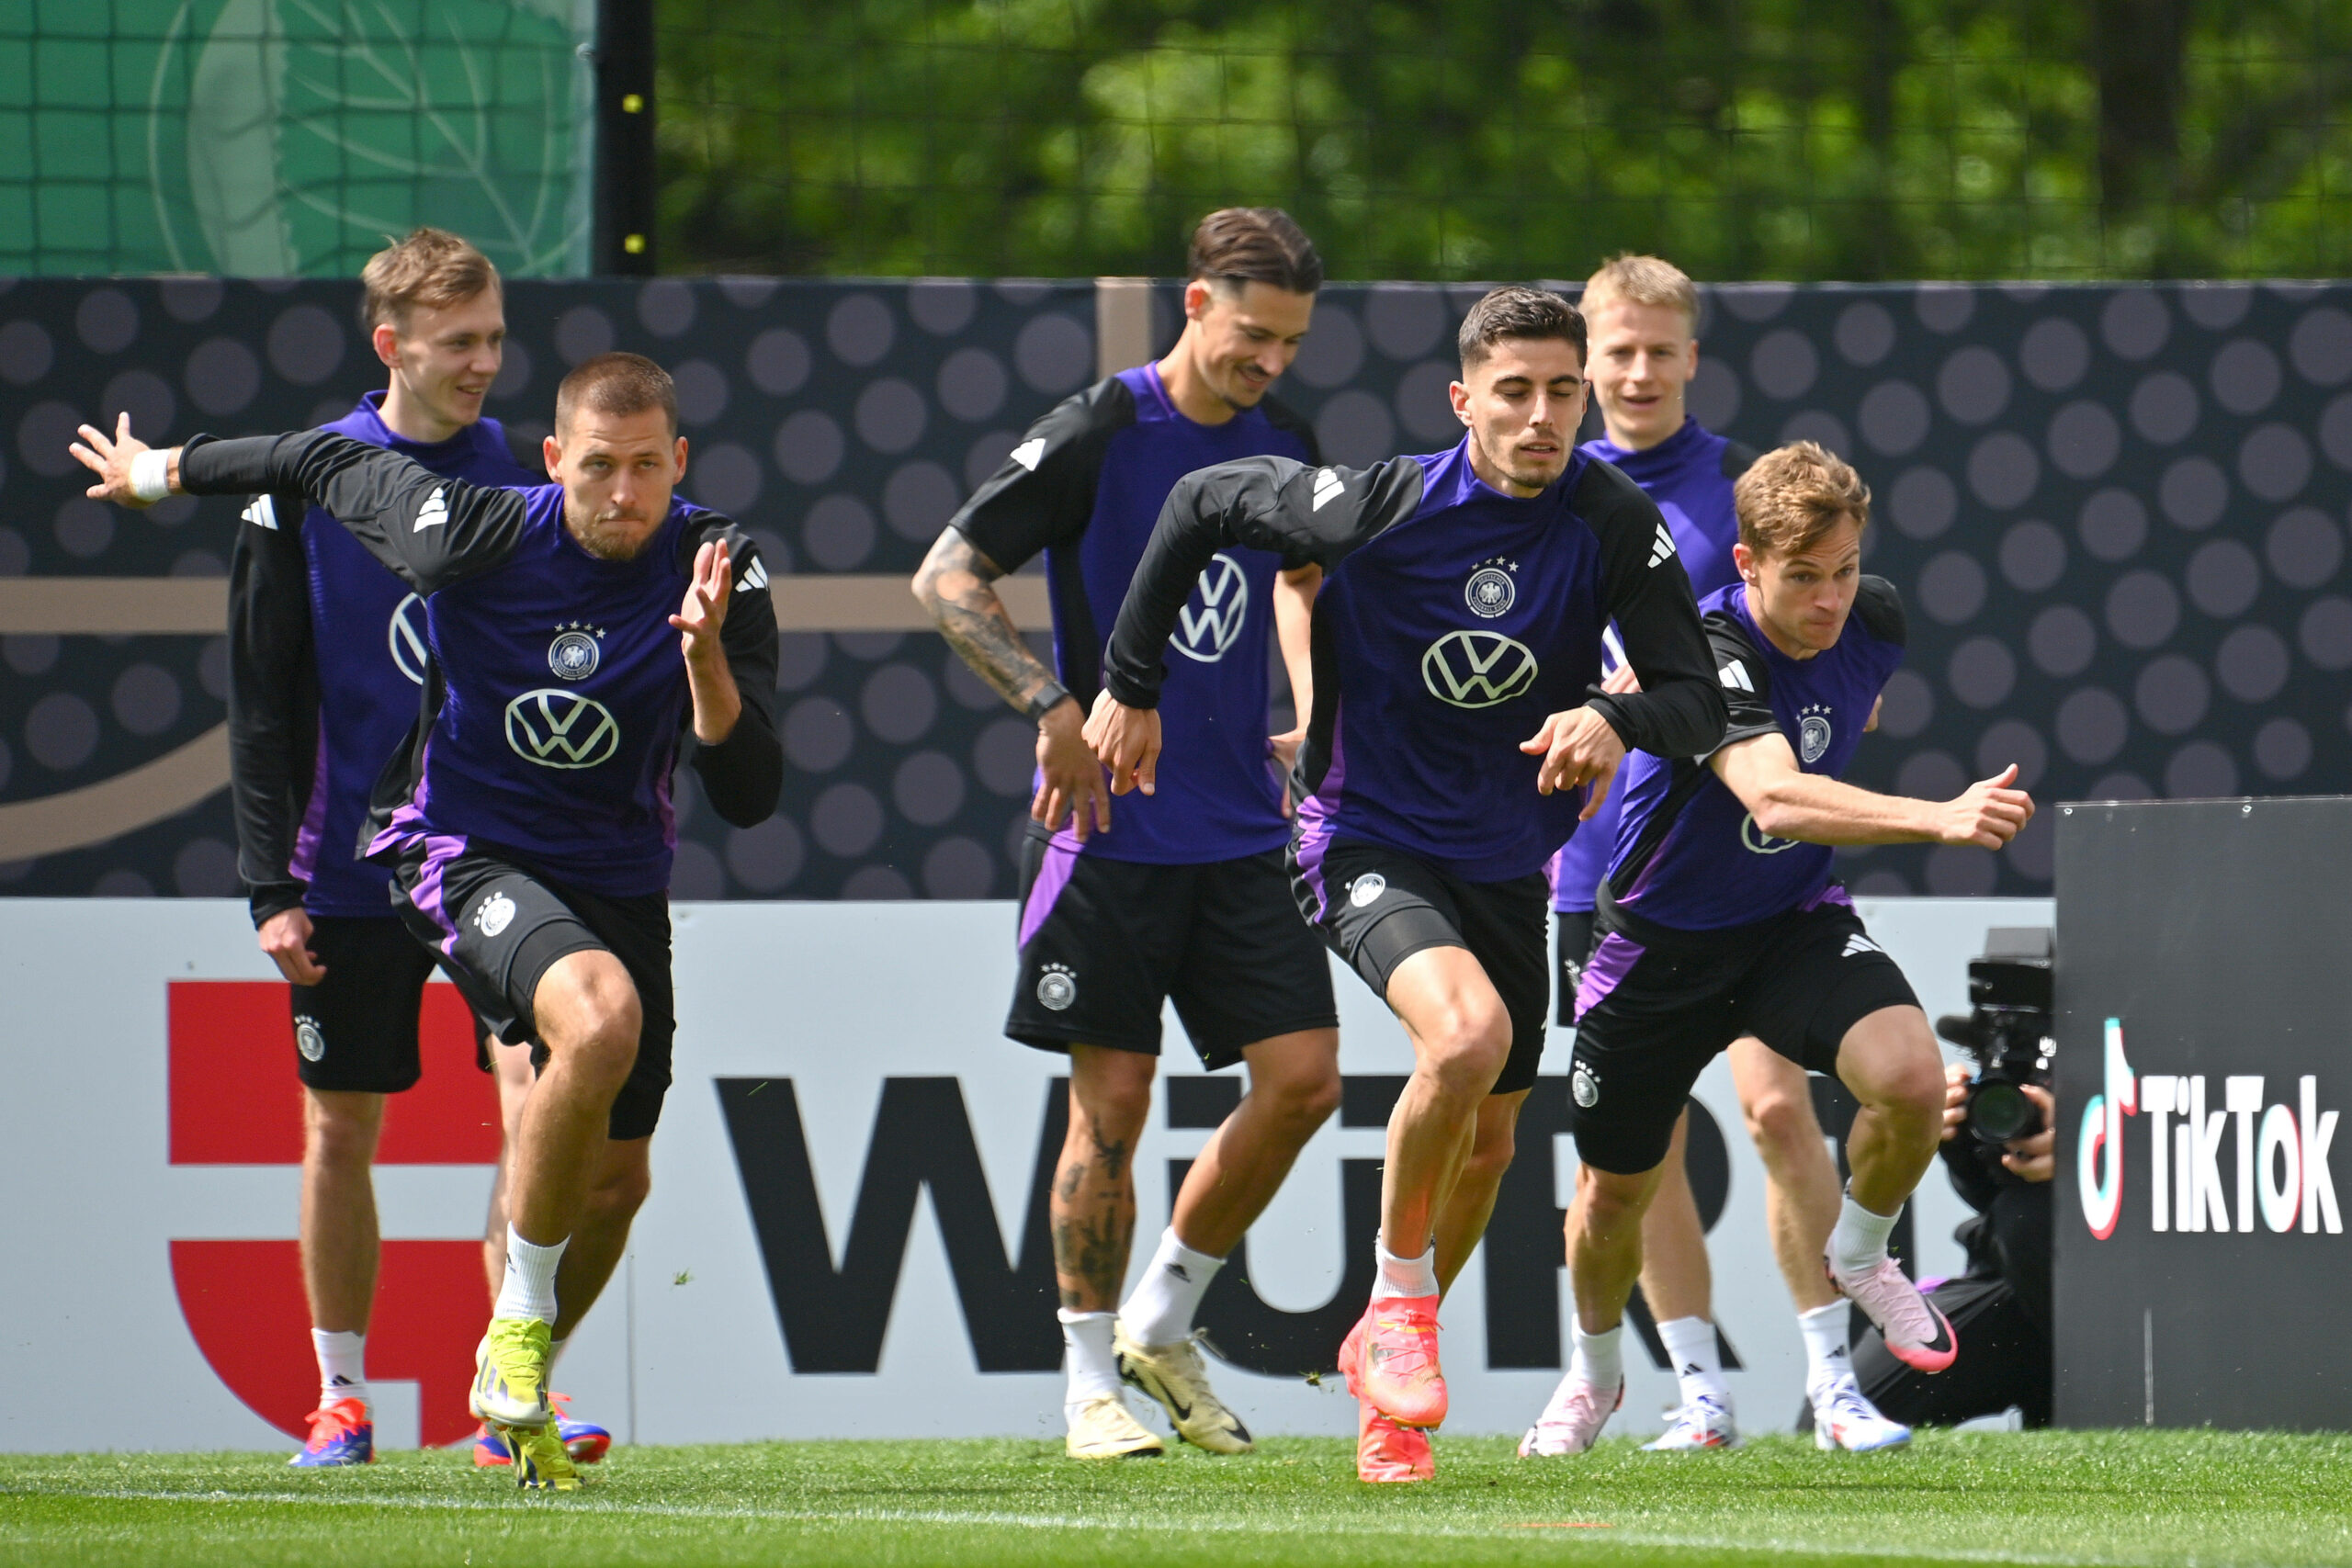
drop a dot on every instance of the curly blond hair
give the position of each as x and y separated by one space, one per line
1793 496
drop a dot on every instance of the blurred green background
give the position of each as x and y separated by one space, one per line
1747 138
1750 138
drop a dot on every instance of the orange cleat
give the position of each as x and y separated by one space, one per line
1395 1370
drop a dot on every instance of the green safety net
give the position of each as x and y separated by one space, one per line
286 138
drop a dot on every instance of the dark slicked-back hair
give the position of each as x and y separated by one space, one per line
1255 244
1515 311
616 384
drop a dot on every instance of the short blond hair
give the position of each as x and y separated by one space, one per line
432 268
1791 497
1644 280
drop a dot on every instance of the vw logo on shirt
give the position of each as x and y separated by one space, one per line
561 729
1212 619
1477 670
1759 842
406 636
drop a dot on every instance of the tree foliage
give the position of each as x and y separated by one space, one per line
1749 139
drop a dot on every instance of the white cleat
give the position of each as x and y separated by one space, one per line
1571 1422
1103 1428
1172 1374
1704 1423
1843 1418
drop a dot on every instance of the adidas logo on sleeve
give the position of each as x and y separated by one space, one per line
433 513
1326 486
754 576
262 513
1661 547
1735 676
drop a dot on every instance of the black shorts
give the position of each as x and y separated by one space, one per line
355 1031
1571 944
499 927
1656 1005
1378 907
1105 943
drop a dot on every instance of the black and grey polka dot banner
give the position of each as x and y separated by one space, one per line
2117 516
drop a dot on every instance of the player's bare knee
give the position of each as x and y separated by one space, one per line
1466 1053
1110 1097
1492 1152
340 1129
1610 1204
621 1192
1778 1119
1298 1100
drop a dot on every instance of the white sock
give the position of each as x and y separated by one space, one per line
1160 1311
343 1364
1698 1365
1859 1243
1827 1358
1598 1360
529 1288
1405 1276
1094 1369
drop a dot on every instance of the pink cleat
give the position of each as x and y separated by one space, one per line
1572 1420
1395 1366
1916 1333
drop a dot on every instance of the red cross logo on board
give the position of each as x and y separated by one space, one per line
234 1100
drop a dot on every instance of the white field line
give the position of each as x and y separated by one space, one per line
1629 1535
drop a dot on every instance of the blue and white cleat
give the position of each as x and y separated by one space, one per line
341 1434
1843 1418
1704 1423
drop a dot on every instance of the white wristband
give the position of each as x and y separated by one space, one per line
151 476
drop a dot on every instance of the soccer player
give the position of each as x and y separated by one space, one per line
1643 314
1183 896
313 720
1720 919
1457 735
578 631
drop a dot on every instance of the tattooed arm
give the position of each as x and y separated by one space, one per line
957 585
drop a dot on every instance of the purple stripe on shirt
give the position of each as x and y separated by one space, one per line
1833 894
1316 815
439 851
306 838
1061 861
1612 962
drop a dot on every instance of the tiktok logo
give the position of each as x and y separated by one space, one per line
2282 1152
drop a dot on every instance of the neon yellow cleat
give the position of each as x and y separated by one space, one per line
510 1374
541 1462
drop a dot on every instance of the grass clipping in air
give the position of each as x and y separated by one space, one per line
2115 1497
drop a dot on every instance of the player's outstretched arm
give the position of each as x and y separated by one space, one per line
273 706
429 530
956 585
1315 515
1673 706
1789 803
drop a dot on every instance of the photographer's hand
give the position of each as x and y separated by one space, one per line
1955 1099
2033 1158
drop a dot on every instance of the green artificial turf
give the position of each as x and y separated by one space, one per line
2127 1497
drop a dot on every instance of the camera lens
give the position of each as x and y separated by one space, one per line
2000 1111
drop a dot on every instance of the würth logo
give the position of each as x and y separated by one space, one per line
2280 1152
1477 670
1208 624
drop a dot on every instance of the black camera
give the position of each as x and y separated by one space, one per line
2008 1031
